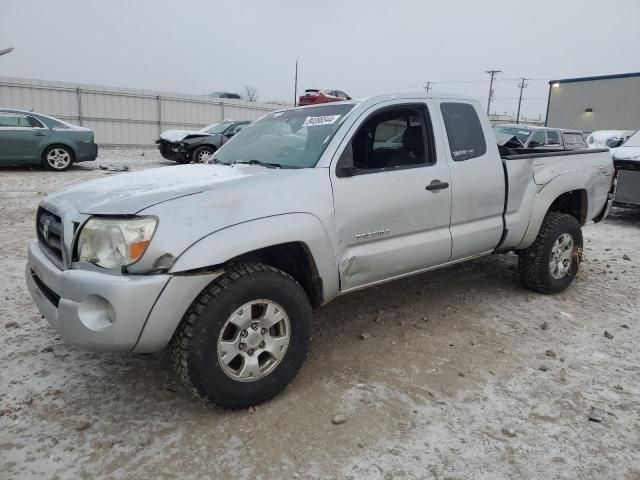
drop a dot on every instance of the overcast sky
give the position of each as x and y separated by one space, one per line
364 47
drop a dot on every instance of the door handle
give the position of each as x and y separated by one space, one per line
436 185
39 134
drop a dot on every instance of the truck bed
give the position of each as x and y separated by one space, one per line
590 168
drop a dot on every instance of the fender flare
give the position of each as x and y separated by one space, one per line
222 245
563 183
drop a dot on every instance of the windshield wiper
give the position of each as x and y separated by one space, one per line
258 162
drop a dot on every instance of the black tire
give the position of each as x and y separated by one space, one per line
64 151
195 342
198 152
533 263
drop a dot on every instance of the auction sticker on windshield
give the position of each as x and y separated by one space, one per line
323 120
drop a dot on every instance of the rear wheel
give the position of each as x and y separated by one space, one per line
551 263
202 154
245 337
58 158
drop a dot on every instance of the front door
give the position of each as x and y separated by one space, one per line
392 199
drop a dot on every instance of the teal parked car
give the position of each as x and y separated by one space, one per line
28 138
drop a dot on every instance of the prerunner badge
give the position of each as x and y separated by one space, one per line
324 120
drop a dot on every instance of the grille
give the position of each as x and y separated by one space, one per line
628 188
49 229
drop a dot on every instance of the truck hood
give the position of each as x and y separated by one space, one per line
129 193
179 135
626 158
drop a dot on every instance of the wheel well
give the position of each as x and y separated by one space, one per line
573 203
73 153
295 259
212 147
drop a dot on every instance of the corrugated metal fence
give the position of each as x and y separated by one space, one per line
123 117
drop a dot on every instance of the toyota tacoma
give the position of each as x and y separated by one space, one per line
224 262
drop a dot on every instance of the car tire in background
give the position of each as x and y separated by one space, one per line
57 158
551 263
202 154
245 337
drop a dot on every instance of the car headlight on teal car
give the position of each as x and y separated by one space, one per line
115 242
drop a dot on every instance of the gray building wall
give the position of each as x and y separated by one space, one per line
615 104
123 116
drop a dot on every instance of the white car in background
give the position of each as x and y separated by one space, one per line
600 138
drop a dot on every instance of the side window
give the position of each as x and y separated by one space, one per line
553 137
11 120
239 127
6 120
391 139
464 131
537 139
34 122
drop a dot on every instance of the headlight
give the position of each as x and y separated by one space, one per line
112 243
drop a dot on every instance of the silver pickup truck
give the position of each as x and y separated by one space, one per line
225 261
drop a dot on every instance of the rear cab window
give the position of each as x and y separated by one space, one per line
538 139
574 140
464 131
553 137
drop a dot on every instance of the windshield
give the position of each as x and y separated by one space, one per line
288 139
217 127
633 140
521 133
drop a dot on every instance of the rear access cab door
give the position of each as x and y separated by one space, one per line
392 195
478 184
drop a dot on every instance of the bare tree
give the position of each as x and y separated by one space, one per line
250 94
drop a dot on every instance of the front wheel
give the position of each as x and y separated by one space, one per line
202 154
245 337
551 263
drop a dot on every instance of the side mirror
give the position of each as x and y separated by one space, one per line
342 172
345 166
230 134
349 98
614 142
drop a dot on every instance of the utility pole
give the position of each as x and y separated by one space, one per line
295 87
523 84
427 87
493 73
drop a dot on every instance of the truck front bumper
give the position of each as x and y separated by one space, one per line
90 309
102 312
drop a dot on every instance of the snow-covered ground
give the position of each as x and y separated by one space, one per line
465 375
